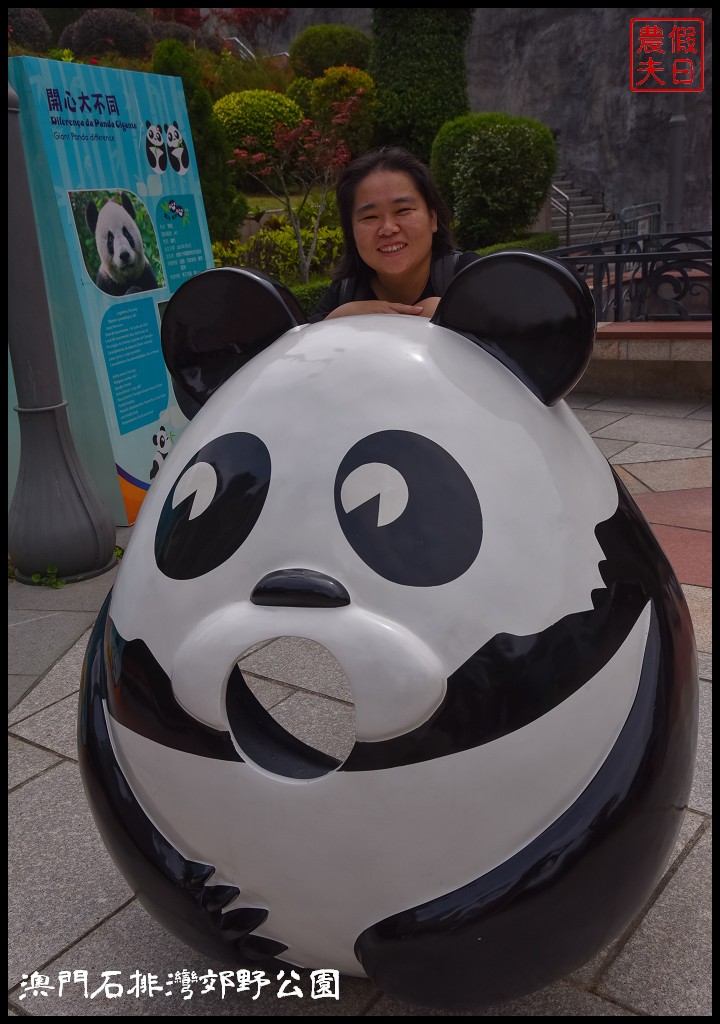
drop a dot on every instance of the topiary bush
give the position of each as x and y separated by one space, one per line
337 85
108 29
59 17
501 176
256 113
28 28
300 91
174 30
448 142
328 46
418 66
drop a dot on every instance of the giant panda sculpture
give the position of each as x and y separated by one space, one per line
415 496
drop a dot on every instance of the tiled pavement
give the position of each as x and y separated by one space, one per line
70 910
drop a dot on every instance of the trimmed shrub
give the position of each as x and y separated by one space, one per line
541 241
255 112
274 249
501 177
300 92
225 207
308 295
28 28
209 40
174 30
418 66
336 86
58 18
108 29
450 139
328 46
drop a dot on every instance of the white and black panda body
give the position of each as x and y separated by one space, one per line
163 443
155 150
124 267
414 496
177 150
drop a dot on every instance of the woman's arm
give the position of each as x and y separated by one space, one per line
376 306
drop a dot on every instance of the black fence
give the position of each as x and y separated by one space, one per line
647 277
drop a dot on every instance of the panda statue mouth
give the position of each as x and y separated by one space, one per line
304 732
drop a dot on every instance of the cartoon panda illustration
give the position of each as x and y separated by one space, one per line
124 267
416 496
155 147
163 444
177 150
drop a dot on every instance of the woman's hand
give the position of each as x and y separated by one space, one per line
380 306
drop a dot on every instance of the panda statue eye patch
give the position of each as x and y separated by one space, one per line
408 509
213 506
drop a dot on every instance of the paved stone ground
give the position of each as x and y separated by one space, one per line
71 911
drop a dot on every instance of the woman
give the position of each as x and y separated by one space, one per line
399 255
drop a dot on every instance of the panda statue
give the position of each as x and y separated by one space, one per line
124 267
415 496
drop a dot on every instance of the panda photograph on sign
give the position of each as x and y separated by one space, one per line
118 241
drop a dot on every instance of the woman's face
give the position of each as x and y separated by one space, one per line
392 224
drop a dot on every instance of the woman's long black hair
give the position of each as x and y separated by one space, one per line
389 158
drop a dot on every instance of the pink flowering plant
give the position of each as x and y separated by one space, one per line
300 171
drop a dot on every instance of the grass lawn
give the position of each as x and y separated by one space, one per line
264 201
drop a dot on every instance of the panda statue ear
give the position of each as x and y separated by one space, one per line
217 321
529 311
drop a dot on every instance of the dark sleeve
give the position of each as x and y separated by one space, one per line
466 258
329 300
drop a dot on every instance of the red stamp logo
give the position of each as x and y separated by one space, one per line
667 55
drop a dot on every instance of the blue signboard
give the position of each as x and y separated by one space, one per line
121 224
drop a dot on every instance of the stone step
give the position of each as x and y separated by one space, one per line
590 221
582 216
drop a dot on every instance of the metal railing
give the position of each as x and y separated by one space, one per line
642 219
646 277
561 202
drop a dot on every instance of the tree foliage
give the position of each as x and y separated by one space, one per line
418 66
258 26
190 16
501 176
303 161
27 27
320 47
225 207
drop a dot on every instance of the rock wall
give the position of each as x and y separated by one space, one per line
569 69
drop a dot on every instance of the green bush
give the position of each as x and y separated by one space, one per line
225 207
337 85
300 91
308 295
106 29
28 28
328 46
256 112
502 176
448 142
174 30
541 241
58 18
274 249
418 66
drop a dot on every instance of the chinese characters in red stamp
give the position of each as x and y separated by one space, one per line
667 55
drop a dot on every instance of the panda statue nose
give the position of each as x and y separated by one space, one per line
300 588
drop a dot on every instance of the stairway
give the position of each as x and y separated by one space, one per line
590 221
